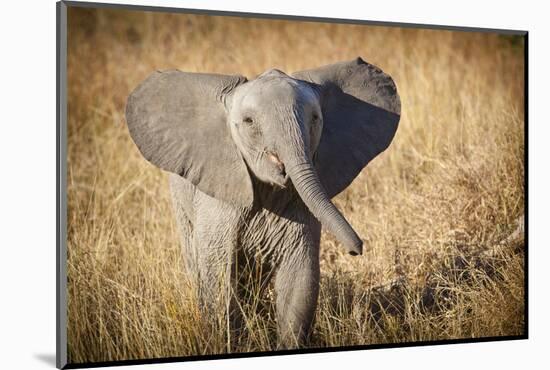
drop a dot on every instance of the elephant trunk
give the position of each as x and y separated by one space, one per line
307 183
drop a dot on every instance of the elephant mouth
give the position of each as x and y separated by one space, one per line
282 177
274 158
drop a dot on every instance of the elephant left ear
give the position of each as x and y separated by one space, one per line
361 111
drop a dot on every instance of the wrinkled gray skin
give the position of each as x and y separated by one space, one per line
254 165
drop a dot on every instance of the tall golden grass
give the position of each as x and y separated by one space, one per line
435 210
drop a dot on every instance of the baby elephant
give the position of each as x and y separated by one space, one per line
254 165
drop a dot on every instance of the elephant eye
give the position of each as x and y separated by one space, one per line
248 120
315 118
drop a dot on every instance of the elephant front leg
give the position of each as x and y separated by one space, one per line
214 275
216 241
297 291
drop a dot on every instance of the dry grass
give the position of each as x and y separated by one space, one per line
432 210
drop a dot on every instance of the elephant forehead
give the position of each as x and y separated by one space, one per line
282 91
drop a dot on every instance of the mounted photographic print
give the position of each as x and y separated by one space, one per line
235 185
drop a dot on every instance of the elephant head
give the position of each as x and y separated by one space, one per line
316 129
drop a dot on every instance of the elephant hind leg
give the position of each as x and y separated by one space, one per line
189 250
183 193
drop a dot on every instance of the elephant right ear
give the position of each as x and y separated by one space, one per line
178 122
